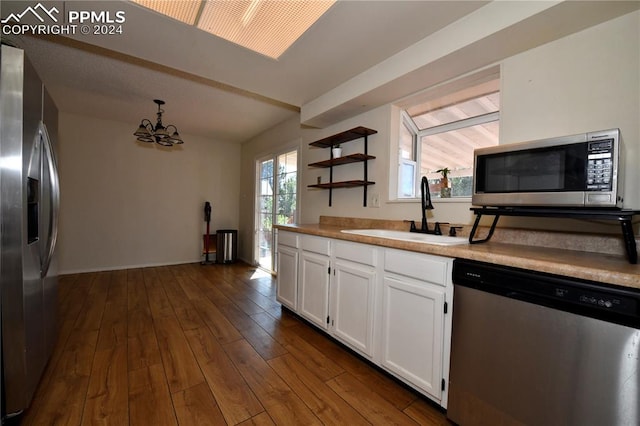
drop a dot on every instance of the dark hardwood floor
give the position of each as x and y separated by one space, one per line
204 345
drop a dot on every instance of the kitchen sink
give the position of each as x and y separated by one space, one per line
415 237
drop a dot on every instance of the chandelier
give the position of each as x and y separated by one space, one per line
159 134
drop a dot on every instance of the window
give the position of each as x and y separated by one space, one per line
439 131
407 162
287 181
274 206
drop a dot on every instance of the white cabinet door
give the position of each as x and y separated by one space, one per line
287 287
314 288
353 291
412 332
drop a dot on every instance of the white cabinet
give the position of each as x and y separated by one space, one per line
353 292
416 331
388 305
412 330
314 280
287 269
337 289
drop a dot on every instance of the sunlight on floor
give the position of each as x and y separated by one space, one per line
260 273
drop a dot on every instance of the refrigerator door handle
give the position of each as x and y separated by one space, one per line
52 168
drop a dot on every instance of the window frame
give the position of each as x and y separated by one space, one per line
404 163
444 128
274 156
470 80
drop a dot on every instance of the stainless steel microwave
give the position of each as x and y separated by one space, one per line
571 171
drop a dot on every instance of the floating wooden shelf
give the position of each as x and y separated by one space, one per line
342 184
346 136
330 142
351 158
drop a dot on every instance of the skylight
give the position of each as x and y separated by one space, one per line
268 27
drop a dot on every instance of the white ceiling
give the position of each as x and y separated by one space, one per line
212 87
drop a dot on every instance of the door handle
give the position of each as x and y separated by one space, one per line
54 193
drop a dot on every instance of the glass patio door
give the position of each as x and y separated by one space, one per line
276 201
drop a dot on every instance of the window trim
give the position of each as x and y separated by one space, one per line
460 124
456 125
273 154
405 120
405 163
417 137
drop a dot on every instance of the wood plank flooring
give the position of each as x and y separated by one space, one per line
204 345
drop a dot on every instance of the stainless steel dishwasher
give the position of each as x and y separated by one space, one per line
530 348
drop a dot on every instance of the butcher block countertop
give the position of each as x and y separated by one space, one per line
610 268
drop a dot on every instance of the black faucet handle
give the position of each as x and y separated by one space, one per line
412 225
452 230
437 230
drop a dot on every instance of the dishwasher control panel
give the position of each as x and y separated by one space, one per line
589 298
597 299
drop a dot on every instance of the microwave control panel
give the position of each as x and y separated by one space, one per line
600 165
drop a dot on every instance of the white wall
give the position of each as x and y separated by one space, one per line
583 82
586 81
126 204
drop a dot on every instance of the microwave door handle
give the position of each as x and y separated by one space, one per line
54 193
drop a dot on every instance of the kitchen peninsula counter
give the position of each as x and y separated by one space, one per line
603 267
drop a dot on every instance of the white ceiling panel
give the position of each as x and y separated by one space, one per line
220 90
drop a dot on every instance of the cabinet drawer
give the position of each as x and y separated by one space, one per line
315 244
360 253
288 238
423 267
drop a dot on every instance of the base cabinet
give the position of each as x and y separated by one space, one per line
417 298
314 288
412 332
287 270
391 306
352 307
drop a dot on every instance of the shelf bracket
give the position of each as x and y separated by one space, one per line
366 177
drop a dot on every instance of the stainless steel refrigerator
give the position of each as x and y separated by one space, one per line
29 206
